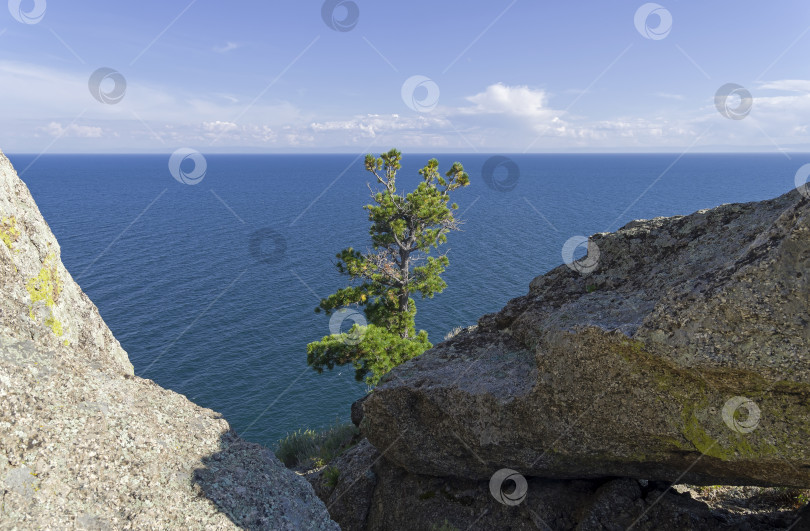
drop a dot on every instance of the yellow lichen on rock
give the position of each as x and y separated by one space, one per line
46 287
9 231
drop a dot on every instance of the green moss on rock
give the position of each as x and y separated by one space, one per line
695 392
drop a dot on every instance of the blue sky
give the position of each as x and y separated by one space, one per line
499 76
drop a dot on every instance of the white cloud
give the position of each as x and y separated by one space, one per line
503 111
520 117
219 127
789 85
39 101
228 97
32 92
372 124
513 101
227 47
81 131
230 133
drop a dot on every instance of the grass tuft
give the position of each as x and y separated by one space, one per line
315 447
331 476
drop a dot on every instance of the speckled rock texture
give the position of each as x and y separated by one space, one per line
40 300
684 356
85 444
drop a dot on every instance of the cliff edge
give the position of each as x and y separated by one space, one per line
84 443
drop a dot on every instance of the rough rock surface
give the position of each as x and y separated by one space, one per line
683 357
373 494
40 301
350 499
85 444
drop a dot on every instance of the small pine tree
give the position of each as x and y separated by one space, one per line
404 230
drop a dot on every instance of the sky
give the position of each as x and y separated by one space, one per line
353 76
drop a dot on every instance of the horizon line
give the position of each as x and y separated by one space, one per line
349 153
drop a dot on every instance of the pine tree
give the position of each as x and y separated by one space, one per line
405 228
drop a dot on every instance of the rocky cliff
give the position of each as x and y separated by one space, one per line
677 351
86 444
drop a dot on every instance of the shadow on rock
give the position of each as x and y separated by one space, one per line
250 485
368 492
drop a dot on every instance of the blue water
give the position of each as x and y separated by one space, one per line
171 269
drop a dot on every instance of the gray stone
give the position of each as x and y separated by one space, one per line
380 496
684 356
84 443
349 500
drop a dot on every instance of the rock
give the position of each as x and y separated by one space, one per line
803 521
396 499
682 357
86 444
349 499
40 300
357 411
614 506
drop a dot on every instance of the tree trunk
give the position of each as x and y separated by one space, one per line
404 291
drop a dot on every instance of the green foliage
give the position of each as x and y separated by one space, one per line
315 447
803 498
445 526
377 352
405 229
792 497
331 476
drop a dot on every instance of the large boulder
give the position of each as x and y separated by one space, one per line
85 444
677 350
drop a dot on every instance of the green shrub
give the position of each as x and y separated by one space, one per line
330 476
315 447
446 526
